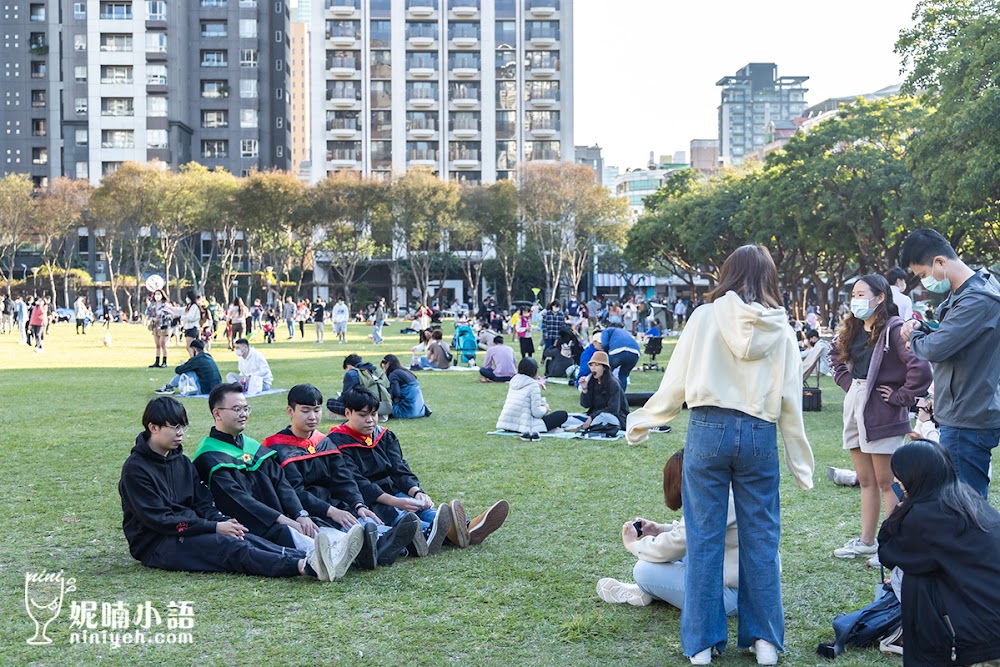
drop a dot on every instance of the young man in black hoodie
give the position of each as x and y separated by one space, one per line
248 483
325 484
170 521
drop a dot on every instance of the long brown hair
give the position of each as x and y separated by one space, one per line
851 326
672 473
750 272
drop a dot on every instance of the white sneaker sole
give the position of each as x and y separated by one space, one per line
343 553
613 591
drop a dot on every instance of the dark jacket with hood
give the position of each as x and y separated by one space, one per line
892 365
965 351
951 570
605 396
162 497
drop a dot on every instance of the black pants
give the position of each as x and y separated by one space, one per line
491 376
220 553
81 325
527 346
555 419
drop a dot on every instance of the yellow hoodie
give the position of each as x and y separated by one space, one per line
736 356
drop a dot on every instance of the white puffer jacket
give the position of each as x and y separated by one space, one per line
524 408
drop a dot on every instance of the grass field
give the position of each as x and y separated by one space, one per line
525 597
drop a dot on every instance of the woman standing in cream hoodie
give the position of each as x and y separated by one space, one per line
738 368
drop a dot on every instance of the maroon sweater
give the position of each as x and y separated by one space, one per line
892 365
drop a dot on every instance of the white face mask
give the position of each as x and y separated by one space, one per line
861 308
158 297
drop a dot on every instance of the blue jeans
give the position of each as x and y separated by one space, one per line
390 515
971 450
291 327
377 333
665 582
624 362
729 447
175 381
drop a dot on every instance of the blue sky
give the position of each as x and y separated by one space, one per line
646 69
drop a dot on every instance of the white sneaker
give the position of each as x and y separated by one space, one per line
340 550
702 657
316 563
855 547
613 591
766 652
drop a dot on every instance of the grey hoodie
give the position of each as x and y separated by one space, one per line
965 352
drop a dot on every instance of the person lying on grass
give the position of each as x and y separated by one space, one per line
393 491
248 483
325 484
171 522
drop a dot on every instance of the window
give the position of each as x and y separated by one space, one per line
278 36
380 9
38 127
213 29
381 124
422 150
215 148
39 156
37 12
542 90
463 31
279 65
215 119
39 70
345 90
380 35
460 90
79 10
279 122
214 59
80 105
381 94
108 168
115 42
506 95
381 154
156 42
156 105
117 139
421 90
506 35
214 89
542 29
156 139
156 75
81 137
117 106
421 120
116 74
116 11
248 57
80 73
248 148
248 88
213 3
541 150
279 151
79 42
248 28
343 150
416 29
249 118
546 120
38 98
506 155
542 60
156 10
278 93
465 120
419 59
82 170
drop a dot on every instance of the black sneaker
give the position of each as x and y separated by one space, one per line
530 437
392 543
154 365
368 556
166 390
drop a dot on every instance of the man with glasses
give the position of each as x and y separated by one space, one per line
170 521
249 484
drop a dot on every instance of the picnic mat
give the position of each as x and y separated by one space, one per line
263 393
454 368
565 435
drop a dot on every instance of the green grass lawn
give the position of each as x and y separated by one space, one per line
524 597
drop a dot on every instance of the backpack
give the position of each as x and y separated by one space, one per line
378 383
866 626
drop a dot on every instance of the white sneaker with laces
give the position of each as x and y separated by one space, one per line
613 591
702 657
766 652
855 547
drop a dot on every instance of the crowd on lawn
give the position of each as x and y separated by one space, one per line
306 503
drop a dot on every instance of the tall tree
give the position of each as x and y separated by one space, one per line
423 213
58 214
503 230
16 212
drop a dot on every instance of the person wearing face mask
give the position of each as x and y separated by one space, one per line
897 281
882 379
253 368
964 350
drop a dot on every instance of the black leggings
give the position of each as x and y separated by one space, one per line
555 419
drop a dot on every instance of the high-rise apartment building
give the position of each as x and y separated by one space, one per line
469 88
299 90
140 80
751 98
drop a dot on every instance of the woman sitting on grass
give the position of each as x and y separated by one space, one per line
661 548
601 394
525 411
407 399
946 540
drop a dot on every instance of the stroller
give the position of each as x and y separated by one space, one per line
465 342
654 346
564 354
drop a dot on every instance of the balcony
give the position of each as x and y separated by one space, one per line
544 38
544 129
464 9
343 39
421 41
342 97
343 68
465 163
342 129
547 155
422 158
421 69
422 98
545 101
421 9
422 129
465 128
343 159
464 70
465 99
542 11
544 69
341 9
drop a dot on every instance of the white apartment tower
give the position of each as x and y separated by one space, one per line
468 88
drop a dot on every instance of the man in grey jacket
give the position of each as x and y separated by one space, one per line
965 352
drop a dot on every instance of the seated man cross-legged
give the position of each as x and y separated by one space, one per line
325 483
255 372
170 521
201 372
249 484
391 489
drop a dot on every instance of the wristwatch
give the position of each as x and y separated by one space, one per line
303 513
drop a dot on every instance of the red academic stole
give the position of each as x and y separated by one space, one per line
308 445
357 439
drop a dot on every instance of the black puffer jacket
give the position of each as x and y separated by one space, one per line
605 396
951 581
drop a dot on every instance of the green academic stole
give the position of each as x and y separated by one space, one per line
249 458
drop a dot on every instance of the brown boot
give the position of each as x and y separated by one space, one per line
487 522
458 534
